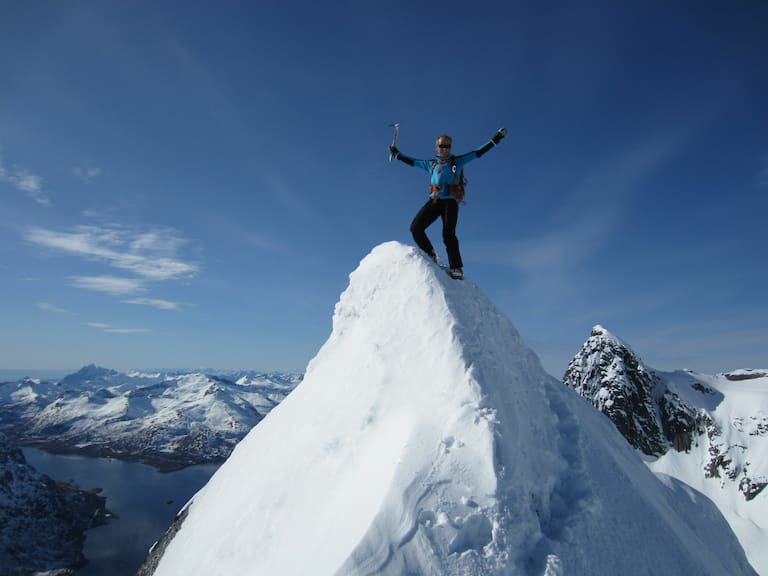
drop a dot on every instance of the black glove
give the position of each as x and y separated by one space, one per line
499 135
394 151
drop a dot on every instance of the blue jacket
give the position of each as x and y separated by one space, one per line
441 170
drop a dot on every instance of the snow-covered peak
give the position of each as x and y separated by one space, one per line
426 438
709 431
27 391
601 337
607 354
600 330
608 373
90 375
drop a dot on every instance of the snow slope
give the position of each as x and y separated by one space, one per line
427 439
736 440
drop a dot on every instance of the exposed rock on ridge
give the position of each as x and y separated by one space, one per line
649 415
42 522
658 412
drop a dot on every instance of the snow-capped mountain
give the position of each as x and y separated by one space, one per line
648 413
168 420
42 522
427 439
709 431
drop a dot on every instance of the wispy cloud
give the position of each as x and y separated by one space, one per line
25 181
112 330
156 303
150 255
87 173
144 256
114 285
48 307
587 218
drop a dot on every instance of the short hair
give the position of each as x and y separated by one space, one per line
445 136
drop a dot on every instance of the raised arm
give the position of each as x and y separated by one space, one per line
492 143
400 156
423 164
469 156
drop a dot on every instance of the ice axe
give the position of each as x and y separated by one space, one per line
396 126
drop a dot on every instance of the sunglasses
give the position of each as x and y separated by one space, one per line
443 145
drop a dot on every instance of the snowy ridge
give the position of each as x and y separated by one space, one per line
709 431
427 439
168 420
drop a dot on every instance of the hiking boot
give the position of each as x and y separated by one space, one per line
456 273
433 256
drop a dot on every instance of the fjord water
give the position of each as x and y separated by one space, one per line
144 500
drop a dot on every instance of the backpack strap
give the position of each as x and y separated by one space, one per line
457 189
459 182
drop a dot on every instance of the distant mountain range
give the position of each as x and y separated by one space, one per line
710 431
168 420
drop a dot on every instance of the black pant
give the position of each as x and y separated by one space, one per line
448 210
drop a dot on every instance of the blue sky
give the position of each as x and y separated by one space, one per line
189 184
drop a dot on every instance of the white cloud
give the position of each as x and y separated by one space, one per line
26 181
156 303
146 255
157 241
111 330
127 330
150 255
114 285
29 183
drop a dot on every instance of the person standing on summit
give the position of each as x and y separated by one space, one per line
445 193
